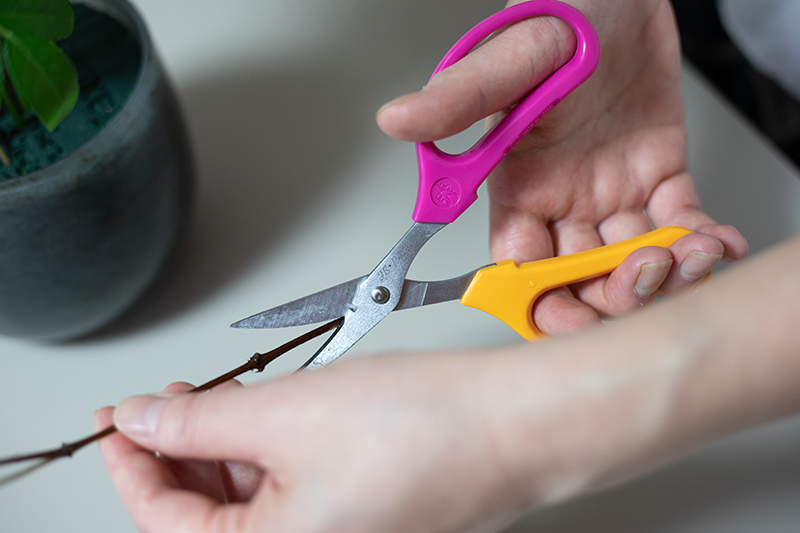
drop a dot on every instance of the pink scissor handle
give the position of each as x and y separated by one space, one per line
448 183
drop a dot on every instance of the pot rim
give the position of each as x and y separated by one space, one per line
61 172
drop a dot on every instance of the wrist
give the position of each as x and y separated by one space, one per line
598 408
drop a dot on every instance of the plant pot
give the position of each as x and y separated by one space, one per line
83 238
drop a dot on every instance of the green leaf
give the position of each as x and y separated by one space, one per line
43 77
48 19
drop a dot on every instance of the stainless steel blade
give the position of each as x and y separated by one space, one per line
321 306
415 294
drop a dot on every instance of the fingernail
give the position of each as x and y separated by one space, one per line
139 415
697 265
651 276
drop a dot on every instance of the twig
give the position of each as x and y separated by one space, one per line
256 363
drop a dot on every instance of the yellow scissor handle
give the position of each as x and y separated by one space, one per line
508 290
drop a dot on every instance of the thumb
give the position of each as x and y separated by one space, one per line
486 81
215 426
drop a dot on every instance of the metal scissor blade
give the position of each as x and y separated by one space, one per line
419 293
357 324
321 306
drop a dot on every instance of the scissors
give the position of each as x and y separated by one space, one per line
448 185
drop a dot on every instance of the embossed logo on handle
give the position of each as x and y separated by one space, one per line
446 193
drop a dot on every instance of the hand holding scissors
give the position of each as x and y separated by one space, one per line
447 187
603 166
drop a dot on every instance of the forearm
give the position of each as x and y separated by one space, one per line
469 438
600 407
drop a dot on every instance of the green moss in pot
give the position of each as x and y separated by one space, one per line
94 201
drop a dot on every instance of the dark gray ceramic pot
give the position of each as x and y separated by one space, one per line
82 239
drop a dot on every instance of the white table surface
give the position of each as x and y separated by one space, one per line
280 97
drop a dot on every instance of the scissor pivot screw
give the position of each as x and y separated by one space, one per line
380 295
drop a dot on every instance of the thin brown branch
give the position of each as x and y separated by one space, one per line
256 363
